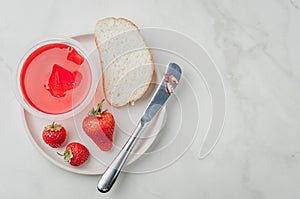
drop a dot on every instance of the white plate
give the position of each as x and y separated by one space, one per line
126 118
194 115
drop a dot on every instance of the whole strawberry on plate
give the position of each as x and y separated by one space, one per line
99 125
76 154
54 135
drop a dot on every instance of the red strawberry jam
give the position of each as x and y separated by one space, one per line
62 80
75 57
55 78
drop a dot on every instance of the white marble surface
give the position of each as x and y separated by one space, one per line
256 47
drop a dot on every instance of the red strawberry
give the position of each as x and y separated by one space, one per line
54 135
76 154
62 80
99 126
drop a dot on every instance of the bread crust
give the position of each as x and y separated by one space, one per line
101 61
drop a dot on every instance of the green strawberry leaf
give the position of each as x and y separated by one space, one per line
53 127
68 155
98 111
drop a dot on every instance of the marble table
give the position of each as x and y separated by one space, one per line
255 45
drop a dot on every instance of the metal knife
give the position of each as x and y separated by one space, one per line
161 95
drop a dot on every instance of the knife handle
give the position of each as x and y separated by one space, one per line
112 172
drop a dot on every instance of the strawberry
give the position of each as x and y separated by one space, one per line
99 126
76 154
54 135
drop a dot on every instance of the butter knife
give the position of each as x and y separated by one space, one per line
160 97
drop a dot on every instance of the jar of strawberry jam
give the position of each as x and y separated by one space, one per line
55 79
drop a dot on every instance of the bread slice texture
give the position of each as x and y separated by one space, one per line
126 61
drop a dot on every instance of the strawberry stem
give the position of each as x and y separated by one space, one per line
53 127
99 108
59 154
68 155
98 111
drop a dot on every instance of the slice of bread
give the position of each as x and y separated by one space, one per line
127 64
